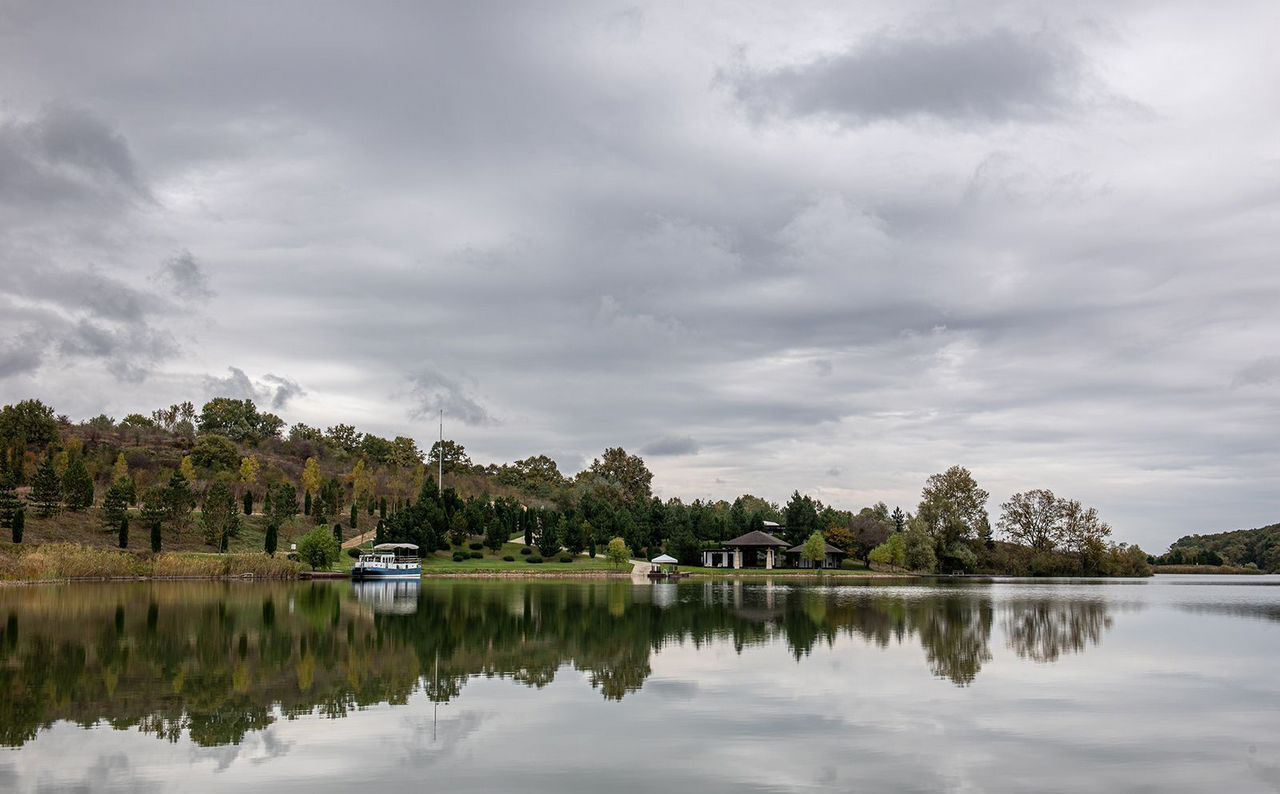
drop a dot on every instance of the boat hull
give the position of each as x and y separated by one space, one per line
367 574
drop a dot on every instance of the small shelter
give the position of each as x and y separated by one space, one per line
755 549
664 566
834 556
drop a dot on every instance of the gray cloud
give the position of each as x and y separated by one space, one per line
995 75
185 277
285 390
1258 373
433 391
235 385
671 445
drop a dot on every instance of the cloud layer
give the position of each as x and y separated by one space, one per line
830 249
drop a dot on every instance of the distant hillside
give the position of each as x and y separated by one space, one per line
1243 547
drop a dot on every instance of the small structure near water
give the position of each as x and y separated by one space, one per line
665 567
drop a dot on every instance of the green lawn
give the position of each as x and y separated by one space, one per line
442 562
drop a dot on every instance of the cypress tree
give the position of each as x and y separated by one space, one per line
377 533
353 515
382 508
272 538
337 533
19 523
223 546
46 491
248 503
306 504
124 532
369 505
155 536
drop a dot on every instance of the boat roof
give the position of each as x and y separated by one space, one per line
394 546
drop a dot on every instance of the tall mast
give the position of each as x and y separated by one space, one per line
440 474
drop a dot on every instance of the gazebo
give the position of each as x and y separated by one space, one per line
664 566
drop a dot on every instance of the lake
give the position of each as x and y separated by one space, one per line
1167 684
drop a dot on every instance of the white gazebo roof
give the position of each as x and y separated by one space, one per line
664 559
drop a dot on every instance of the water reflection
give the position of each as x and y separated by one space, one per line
216 661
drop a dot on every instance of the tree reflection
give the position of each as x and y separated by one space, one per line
214 661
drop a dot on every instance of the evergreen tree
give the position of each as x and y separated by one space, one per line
378 530
549 537
354 516
46 490
114 504
155 536
124 532
155 509
899 519
575 539
179 501
248 503
19 524
337 533
495 534
382 508
272 538
77 485
306 504
590 532
9 502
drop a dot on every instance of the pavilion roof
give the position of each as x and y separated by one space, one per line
756 538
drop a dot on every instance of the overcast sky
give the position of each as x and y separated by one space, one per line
827 246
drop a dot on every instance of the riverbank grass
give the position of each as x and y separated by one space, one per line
61 561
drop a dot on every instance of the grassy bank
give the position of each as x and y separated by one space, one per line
59 561
1214 569
860 573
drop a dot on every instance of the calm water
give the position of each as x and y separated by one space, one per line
1163 685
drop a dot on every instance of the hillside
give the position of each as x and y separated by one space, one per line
1259 547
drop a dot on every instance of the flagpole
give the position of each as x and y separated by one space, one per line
440 474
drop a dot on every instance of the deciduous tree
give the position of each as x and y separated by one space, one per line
617 552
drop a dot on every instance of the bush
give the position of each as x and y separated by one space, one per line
533 559
319 549
508 558
459 556
353 553
526 551
475 545
852 565
566 558
477 555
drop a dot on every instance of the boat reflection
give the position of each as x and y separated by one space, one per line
388 597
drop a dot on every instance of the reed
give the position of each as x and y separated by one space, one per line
57 561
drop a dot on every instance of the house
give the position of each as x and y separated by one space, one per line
756 549
795 557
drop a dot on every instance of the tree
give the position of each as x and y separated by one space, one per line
187 470
216 453
19 524
114 504
46 489
455 456
179 502
77 486
919 552
575 539
9 502
1034 518
815 549
155 511
249 468
319 549
362 484
899 519
627 472
869 528
120 470
458 529
953 511
123 537
247 501
312 479
382 508
892 552
337 533
220 518
272 539
238 420
800 517
354 516
549 537
495 535
1084 534
306 504
617 552
343 438
29 422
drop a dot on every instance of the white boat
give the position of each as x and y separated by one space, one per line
389 561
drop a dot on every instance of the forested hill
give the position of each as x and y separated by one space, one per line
1258 547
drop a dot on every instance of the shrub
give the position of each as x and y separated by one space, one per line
475 545
353 553
533 559
319 549
459 556
477 555
526 551
566 558
508 558
851 565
